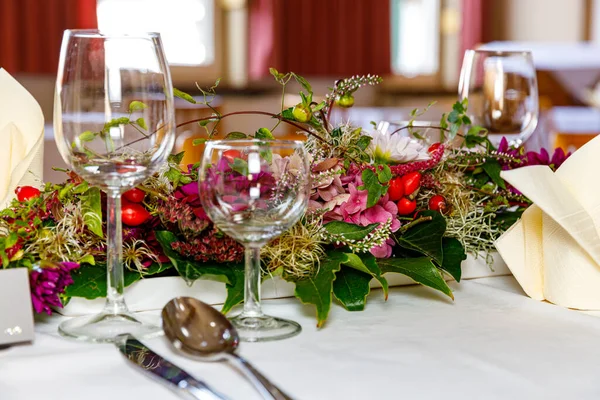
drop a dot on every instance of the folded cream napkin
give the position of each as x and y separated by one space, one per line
554 249
21 139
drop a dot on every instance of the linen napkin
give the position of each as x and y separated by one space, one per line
21 138
554 249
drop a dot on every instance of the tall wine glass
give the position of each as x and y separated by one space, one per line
253 191
501 87
114 126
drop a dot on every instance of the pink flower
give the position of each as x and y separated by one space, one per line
384 250
356 203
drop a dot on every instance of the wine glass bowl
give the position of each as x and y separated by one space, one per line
114 126
254 190
501 88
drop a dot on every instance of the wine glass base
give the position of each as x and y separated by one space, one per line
264 328
105 327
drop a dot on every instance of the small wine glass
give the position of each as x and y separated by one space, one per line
501 87
114 126
254 190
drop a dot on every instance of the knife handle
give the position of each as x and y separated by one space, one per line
197 390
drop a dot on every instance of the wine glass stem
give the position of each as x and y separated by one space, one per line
115 303
252 283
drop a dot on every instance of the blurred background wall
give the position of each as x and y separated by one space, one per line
416 45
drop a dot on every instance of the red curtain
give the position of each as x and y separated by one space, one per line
472 25
31 31
320 37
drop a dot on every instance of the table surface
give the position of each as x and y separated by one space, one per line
491 343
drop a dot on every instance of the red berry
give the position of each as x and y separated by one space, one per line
406 206
434 147
231 155
437 203
134 214
412 181
396 189
25 193
134 195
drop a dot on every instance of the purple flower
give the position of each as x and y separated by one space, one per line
543 158
48 283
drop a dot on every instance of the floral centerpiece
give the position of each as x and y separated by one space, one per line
382 202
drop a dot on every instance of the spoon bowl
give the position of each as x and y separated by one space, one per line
197 329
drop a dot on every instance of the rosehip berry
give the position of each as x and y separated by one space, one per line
434 147
231 155
302 113
412 182
396 189
25 193
437 203
134 195
406 206
134 214
345 101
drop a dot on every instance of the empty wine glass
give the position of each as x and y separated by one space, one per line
254 190
501 87
114 126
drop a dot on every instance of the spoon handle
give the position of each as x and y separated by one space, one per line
267 389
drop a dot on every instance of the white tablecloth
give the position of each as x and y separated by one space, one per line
492 343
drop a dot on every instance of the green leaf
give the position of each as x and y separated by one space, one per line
157 268
204 122
319 106
385 174
349 231
199 141
374 188
191 270
235 290
183 95
367 263
458 107
453 117
492 168
288 114
264 133
136 106
363 142
454 255
142 123
336 132
240 166
419 269
116 122
88 136
89 281
92 211
426 237
11 240
317 289
236 135
176 158
304 83
351 288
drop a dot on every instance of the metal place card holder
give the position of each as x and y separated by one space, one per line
16 312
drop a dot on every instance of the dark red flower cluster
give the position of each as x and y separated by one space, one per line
212 245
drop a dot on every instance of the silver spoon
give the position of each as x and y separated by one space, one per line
197 329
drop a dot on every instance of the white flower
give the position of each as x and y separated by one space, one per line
395 149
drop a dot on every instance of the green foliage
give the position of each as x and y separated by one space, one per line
182 95
92 211
351 288
317 289
419 269
492 168
425 237
349 231
454 255
374 186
